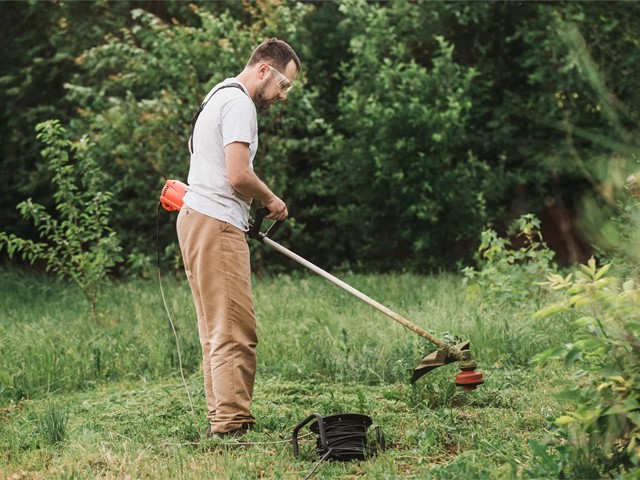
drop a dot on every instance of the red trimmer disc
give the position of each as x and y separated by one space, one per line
469 379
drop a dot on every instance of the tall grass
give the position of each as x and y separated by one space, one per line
48 341
105 401
55 422
308 329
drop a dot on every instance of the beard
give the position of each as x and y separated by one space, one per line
262 102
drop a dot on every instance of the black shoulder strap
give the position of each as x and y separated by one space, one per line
204 104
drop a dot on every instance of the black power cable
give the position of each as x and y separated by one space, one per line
341 437
173 327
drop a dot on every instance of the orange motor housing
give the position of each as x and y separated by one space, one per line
172 194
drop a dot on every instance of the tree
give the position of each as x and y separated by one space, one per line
401 177
79 244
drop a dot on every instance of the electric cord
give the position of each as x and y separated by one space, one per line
341 437
248 444
346 440
288 440
173 327
315 467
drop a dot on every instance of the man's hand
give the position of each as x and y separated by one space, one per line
277 208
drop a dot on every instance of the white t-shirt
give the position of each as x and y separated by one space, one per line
229 116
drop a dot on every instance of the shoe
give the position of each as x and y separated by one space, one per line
237 433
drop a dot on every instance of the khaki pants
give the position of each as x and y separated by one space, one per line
216 261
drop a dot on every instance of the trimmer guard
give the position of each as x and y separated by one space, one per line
437 359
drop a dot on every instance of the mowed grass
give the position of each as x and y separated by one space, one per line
86 400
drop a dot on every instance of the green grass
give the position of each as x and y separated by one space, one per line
80 400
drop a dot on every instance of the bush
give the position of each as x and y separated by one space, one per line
78 244
601 435
399 171
510 268
137 93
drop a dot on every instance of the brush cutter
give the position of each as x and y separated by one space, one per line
468 378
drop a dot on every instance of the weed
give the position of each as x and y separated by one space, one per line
54 422
79 245
509 271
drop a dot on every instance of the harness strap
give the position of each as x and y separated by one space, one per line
204 104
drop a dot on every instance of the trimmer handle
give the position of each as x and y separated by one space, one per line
254 229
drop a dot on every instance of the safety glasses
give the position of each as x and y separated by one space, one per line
284 85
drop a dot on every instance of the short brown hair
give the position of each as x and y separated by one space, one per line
276 53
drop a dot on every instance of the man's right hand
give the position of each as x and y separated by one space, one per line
277 208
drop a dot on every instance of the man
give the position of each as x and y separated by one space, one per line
212 224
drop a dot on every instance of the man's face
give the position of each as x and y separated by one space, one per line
265 98
276 87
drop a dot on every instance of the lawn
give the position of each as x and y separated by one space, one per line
106 400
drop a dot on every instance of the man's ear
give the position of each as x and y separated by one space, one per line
263 69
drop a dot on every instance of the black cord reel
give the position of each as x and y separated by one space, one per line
341 437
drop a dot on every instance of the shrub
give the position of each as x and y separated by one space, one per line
396 157
78 244
137 92
510 268
601 435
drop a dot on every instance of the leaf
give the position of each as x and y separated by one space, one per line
581 300
618 409
564 420
572 356
632 404
568 396
584 321
634 417
618 379
600 273
551 310
588 271
590 344
550 354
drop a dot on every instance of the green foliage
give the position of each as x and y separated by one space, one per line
40 41
77 243
601 435
615 226
510 267
415 122
582 113
396 159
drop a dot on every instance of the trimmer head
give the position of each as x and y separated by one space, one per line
469 379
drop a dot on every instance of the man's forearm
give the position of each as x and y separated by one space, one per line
249 185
